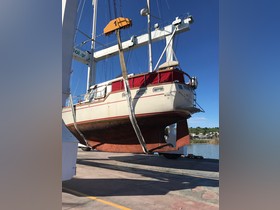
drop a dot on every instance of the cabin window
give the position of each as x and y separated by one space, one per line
109 89
97 93
100 93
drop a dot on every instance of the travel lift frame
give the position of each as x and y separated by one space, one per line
69 142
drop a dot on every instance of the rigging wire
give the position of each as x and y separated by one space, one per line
79 20
158 10
121 8
77 83
109 6
79 6
174 49
167 4
115 9
80 10
128 57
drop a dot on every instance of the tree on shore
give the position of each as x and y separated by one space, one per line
204 130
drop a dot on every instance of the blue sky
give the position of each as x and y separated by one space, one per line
196 50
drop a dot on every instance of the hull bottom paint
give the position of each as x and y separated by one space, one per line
118 135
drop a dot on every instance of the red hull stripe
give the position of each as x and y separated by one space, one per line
123 117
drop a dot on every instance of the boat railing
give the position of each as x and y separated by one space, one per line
94 94
76 99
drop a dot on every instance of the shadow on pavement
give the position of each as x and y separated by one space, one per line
160 183
210 165
181 163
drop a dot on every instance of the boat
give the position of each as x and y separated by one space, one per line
131 113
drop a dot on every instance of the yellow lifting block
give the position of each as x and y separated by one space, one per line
117 23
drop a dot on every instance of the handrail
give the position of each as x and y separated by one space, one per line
81 98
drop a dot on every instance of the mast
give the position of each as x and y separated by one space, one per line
149 33
91 77
146 12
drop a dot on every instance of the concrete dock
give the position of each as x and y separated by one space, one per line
109 181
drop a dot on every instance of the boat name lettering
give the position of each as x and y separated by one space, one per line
158 89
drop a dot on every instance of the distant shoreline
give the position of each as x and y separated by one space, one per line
205 141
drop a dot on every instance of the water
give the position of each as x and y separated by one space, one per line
206 150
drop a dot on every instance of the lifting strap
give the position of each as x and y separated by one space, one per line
131 110
74 120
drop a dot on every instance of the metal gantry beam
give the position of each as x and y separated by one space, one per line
135 41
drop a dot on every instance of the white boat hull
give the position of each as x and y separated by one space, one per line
106 126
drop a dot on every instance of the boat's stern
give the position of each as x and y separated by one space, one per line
184 98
